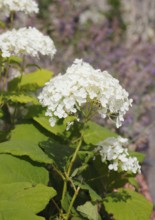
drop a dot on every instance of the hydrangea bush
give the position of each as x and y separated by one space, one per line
56 163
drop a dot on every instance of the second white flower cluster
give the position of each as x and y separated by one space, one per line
115 152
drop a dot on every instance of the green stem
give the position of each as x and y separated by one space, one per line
64 190
58 172
55 204
67 174
72 203
74 157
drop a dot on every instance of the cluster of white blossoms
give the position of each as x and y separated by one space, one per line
27 6
64 94
113 150
26 41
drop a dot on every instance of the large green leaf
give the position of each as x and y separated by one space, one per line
94 133
33 198
31 81
14 211
127 204
44 122
89 211
24 141
14 169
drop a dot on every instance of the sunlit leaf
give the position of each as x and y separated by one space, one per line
44 122
94 133
18 97
127 204
24 141
31 81
14 169
89 211
33 198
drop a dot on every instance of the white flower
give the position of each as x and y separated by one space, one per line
83 84
26 41
27 6
113 151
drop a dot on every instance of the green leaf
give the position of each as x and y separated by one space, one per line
18 97
89 211
31 81
69 119
4 135
57 151
14 59
24 141
133 182
16 212
14 169
85 157
33 111
93 195
79 170
44 122
94 133
33 198
127 204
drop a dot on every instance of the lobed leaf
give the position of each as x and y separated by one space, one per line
20 98
127 204
24 141
94 133
31 81
33 198
44 122
14 211
14 169
89 211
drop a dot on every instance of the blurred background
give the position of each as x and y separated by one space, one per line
113 35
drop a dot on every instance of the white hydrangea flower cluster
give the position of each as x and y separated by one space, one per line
112 150
26 41
64 94
27 6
